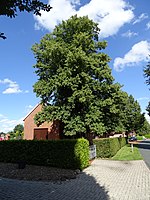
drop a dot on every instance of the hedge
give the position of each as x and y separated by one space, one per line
108 147
72 154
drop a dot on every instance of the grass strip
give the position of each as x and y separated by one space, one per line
125 153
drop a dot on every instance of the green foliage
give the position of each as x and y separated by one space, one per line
18 135
102 148
145 129
114 146
75 82
81 152
147 135
10 8
122 141
148 109
147 73
12 135
58 153
139 137
19 128
17 132
108 147
147 76
132 118
129 115
2 36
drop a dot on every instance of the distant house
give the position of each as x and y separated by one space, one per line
45 131
4 136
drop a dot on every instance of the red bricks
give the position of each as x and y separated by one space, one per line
32 131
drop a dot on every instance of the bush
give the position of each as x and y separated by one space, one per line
102 148
122 141
114 146
108 147
147 135
139 137
73 154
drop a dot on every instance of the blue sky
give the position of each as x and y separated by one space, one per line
125 25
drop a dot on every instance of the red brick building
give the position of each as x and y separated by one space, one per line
45 131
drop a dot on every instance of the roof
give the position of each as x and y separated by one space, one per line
31 111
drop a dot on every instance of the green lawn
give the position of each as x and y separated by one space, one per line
139 137
125 153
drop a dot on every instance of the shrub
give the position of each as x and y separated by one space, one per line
147 135
114 145
108 147
139 137
122 141
73 154
102 148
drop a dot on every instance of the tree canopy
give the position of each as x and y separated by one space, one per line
18 128
17 133
145 129
134 118
147 76
75 83
10 8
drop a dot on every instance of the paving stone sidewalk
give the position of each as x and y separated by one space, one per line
103 180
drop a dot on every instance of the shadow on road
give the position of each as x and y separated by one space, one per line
146 141
144 145
84 187
144 148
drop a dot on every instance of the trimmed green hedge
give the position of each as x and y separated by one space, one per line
122 141
108 147
73 154
102 148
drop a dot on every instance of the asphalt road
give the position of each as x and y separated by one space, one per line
144 148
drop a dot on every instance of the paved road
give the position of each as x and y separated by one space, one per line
144 148
103 180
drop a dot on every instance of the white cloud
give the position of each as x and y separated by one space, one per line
12 90
26 91
148 25
62 10
143 98
138 53
12 87
7 125
141 18
129 34
110 15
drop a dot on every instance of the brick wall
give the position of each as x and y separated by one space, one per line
30 126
